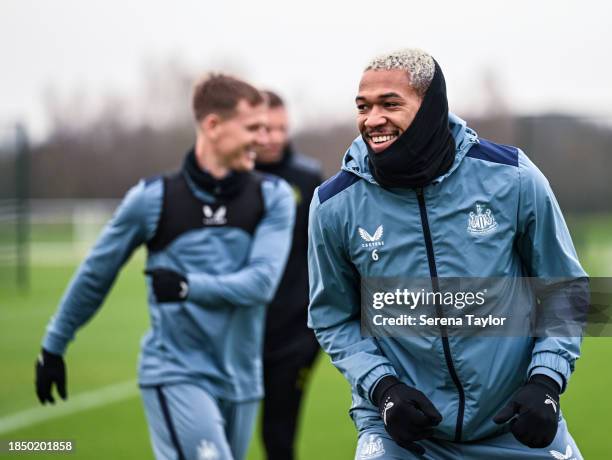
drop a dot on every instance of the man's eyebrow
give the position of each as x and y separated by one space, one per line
388 95
382 96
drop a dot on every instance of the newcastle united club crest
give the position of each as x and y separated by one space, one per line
482 221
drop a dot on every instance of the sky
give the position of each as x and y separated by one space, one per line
523 56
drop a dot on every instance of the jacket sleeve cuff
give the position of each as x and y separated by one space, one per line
558 366
54 344
201 287
374 376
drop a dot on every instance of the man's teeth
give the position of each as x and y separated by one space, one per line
380 139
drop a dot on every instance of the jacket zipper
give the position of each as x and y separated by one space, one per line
433 272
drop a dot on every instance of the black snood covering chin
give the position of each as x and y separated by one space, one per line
424 151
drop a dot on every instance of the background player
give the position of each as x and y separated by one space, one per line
290 348
217 236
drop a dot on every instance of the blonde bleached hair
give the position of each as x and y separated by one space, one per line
417 63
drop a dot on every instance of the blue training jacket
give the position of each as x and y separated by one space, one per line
214 337
468 379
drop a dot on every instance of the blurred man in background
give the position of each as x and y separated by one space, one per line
421 196
290 347
218 235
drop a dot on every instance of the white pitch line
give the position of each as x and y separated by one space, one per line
78 403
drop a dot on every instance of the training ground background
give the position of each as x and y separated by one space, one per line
104 414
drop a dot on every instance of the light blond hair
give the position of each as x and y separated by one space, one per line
417 63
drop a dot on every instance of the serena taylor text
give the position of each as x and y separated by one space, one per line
425 320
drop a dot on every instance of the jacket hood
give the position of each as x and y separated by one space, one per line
355 159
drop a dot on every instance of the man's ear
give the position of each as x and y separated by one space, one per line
209 125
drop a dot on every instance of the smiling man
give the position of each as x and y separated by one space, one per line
421 196
217 235
401 103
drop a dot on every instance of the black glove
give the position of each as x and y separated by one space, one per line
168 285
407 413
537 406
50 369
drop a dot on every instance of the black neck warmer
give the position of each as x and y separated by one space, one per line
225 188
424 151
276 166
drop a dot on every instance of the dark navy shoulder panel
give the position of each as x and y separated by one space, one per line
336 184
495 153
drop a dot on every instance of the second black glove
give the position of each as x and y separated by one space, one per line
168 285
536 407
407 413
50 371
